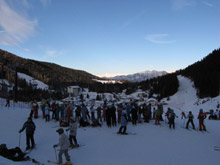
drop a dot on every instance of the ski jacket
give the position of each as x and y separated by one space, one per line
73 128
30 127
47 110
124 120
190 116
63 142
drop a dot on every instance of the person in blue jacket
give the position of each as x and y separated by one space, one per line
124 122
30 128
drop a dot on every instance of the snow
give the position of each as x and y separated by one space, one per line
29 79
153 145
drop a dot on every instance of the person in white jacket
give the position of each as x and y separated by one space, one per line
64 145
73 131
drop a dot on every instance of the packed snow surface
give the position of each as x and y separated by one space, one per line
152 144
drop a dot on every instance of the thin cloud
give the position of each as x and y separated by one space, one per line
16 27
180 4
133 19
208 4
159 38
53 53
45 3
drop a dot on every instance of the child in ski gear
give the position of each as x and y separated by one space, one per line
64 144
190 120
157 116
201 118
124 122
14 154
172 117
30 128
183 115
73 131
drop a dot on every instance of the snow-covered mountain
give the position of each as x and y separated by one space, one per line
138 77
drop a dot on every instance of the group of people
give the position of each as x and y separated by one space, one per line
75 115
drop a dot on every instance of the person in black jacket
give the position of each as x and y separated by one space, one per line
30 128
190 120
14 154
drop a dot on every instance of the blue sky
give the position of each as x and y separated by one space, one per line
111 36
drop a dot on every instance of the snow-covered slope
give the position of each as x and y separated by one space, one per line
39 84
153 145
138 77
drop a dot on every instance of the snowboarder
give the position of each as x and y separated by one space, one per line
73 131
14 154
190 120
124 122
30 128
64 144
201 118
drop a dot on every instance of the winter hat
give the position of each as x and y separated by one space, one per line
60 130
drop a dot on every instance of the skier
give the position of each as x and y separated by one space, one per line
201 118
134 114
183 115
64 144
190 120
35 108
30 128
157 116
172 117
7 103
47 112
14 154
124 122
73 131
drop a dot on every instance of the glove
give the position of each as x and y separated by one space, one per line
19 131
54 146
67 129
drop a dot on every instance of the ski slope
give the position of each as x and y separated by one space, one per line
153 145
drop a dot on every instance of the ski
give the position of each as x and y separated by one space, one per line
36 162
217 149
53 162
73 147
129 133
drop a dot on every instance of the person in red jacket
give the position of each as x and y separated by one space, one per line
35 108
201 118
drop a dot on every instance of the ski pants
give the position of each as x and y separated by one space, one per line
124 131
65 152
74 139
190 121
171 122
30 137
201 125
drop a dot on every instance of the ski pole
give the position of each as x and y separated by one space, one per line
19 142
55 153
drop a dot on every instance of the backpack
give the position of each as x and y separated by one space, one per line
172 115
